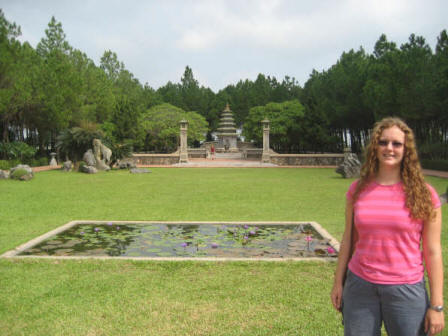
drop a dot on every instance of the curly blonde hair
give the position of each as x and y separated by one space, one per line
418 196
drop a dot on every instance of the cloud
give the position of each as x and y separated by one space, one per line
196 40
227 40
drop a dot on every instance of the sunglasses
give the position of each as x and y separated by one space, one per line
395 144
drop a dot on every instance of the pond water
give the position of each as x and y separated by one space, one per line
186 240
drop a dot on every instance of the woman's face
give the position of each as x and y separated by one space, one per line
391 146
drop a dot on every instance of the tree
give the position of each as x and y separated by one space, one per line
125 118
95 90
190 91
55 41
441 84
59 91
111 65
9 55
285 119
161 126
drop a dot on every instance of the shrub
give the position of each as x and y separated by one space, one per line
43 161
4 164
75 141
435 164
81 165
18 173
8 164
433 151
17 150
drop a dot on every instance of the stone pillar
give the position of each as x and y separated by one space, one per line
266 156
183 141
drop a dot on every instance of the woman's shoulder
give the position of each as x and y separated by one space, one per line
352 188
434 195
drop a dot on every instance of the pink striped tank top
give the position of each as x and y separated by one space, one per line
388 248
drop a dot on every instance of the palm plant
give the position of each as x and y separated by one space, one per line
74 142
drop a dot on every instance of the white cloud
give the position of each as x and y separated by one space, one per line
227 40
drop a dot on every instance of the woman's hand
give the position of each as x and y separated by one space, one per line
336 297
434 322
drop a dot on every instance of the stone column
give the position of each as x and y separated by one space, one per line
183 141
266 156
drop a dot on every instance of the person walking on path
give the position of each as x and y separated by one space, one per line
390 213
212 151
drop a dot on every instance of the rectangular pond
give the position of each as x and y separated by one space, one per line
183 240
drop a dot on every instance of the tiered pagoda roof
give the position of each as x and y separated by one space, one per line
226 123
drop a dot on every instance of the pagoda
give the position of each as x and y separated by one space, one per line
226 132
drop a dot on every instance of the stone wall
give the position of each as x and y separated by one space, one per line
156 159
307 159
197 153
279 159
252 153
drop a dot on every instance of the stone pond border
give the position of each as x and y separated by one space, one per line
14 253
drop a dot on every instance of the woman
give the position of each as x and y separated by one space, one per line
212 151
393 210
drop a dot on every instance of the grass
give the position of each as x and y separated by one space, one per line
117 297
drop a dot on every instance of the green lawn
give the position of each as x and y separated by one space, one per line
117 297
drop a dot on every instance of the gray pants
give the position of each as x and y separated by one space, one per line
367 305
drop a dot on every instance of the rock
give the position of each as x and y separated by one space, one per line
350 168
102 155
88 158
443 198
100 165
67 166
26 177
4 174
139 170
88 169
127 164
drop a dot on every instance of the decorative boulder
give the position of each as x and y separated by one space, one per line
67 166
139 170
21 172
88 169
4 174
126 164
89 158
351 166
443 198
102 155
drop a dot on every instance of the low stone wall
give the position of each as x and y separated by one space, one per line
197 153
252 153
307 159
155 159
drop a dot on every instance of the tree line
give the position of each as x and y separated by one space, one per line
49 90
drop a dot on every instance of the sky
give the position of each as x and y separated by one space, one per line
225 41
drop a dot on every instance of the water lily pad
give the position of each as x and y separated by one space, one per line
54 242
154 250
164 254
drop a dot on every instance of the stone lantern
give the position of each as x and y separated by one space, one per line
53 162
266 156
183 141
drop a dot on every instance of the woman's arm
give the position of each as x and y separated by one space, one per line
432 253
343 257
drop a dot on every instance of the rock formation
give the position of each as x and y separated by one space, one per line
351 166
